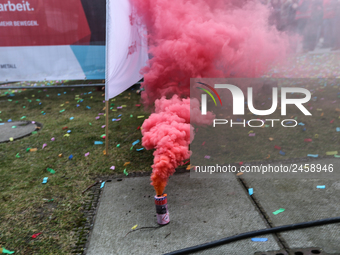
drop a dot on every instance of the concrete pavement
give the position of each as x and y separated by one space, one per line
201 210
204 210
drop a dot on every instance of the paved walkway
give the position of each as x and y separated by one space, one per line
204 210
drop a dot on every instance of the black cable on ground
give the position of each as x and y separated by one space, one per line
253 234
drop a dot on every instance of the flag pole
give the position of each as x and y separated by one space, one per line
107 98
107 127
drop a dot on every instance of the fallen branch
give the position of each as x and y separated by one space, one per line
89 187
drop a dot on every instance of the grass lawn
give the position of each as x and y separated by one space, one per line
26 204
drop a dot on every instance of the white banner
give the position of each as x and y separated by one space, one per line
126 47
32 63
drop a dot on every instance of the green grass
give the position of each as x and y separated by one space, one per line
25 209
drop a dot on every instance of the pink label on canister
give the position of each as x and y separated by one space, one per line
163 219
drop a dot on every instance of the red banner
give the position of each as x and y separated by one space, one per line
39 22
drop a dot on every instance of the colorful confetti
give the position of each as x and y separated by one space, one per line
279 211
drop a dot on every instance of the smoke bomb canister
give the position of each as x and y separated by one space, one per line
162 210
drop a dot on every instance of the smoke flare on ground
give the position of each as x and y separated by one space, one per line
197 39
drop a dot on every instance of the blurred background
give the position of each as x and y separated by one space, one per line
316 21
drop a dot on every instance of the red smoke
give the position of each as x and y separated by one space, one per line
197 39
169 131
202 38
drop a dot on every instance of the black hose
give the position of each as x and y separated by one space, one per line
230 239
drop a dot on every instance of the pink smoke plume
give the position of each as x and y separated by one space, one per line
197 39
168 130
205 38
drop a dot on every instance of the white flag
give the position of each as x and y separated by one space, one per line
126 47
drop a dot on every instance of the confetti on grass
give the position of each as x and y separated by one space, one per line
321 186
5 251
313 155
135 142
50 170
36 235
